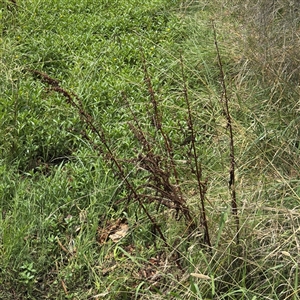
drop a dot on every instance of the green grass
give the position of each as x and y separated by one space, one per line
70 175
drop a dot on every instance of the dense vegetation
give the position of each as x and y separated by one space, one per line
149 149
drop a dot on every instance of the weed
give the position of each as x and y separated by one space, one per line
115 146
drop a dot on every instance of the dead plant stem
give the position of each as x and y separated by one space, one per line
225 102
90 122
201 186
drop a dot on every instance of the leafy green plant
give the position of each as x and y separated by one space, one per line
27 273
109 119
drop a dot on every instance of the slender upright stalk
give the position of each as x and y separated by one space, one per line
225 101
157 120
201 186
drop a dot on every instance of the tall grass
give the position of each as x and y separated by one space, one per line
149 155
